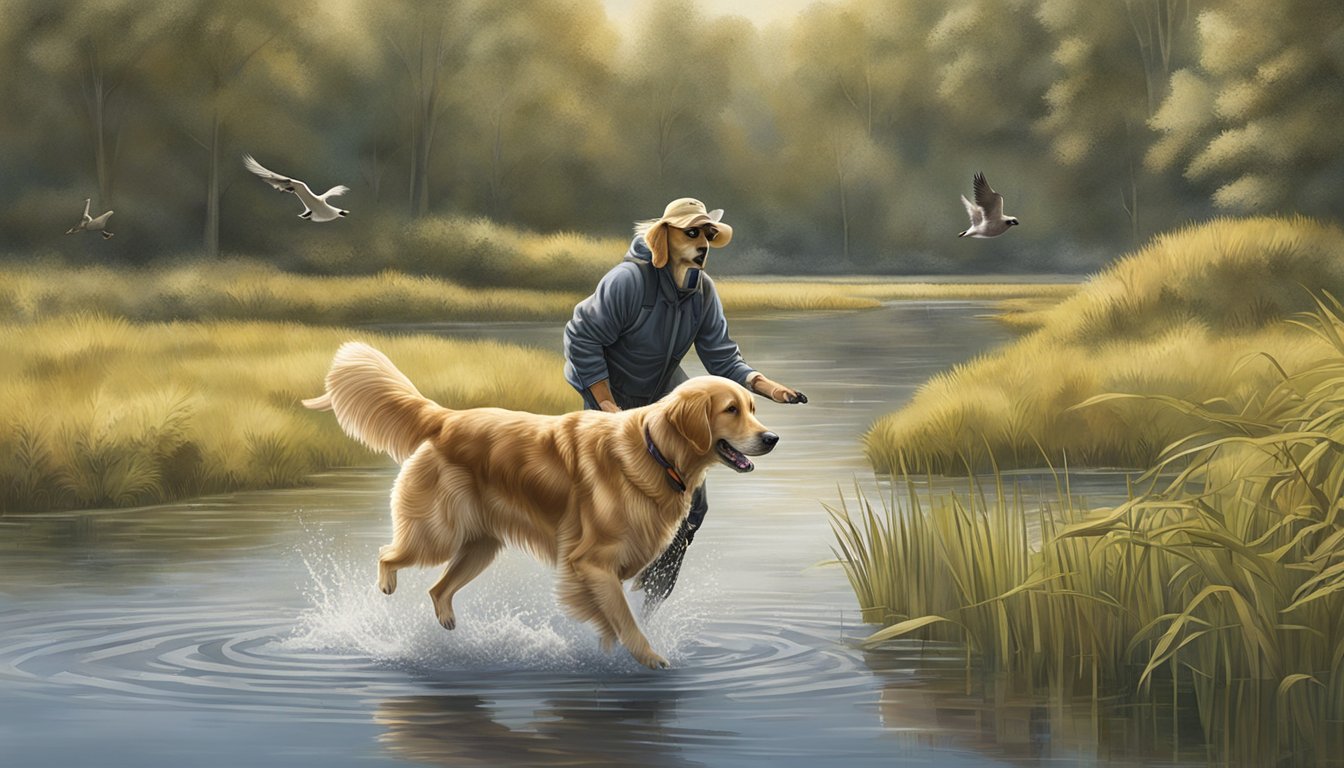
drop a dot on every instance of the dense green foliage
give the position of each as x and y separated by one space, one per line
837 141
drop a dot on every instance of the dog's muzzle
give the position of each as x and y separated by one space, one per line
765 443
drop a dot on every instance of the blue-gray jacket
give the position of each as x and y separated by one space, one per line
612 337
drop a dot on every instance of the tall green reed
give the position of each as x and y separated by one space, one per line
1223 576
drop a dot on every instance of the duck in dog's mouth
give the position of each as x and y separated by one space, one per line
733 457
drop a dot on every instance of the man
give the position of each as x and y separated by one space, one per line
625 343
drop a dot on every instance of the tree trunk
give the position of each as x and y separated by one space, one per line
212 191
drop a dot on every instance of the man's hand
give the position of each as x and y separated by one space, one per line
775 391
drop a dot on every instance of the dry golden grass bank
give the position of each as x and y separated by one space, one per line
1221 579
1184 317
252 290
102 412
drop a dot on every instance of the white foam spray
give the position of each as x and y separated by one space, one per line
507 619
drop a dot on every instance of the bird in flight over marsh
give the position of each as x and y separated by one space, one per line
315 207
90 224
987 219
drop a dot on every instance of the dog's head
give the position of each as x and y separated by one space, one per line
717 417
680 240
682 248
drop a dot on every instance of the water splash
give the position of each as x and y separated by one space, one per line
508 618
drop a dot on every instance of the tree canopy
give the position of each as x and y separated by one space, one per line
837 141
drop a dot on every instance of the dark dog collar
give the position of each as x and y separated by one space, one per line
673 476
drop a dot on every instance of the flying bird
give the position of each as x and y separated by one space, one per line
987 219
90 224
315 207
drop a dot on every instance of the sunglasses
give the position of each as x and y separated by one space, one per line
694 232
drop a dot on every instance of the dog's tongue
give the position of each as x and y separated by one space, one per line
740 462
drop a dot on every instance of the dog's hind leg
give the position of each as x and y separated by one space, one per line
470 560
413 505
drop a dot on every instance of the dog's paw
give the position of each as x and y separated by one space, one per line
387 581
446 619
653 661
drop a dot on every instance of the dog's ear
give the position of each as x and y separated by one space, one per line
657 240
689 415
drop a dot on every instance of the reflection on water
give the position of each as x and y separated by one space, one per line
251 623
595 730
931 699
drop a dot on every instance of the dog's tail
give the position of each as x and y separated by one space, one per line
375 403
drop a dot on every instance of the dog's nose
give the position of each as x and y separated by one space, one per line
769 439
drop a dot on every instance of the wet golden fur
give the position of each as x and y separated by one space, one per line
578 490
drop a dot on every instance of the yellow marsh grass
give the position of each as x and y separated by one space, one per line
248 290
101 412
752 295
255 291
1226 578
1183 317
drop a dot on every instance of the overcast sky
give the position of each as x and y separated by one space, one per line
761 12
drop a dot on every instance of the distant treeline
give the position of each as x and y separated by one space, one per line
838 141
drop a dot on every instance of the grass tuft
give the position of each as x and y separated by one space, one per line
1183 318
1222 578
101 412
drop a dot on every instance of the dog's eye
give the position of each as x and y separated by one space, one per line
731 409
692 233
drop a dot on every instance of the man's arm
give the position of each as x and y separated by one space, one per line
722 357
597 323
601 392
758 383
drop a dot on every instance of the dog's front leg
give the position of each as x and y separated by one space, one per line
596 595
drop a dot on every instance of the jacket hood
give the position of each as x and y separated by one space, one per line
639 250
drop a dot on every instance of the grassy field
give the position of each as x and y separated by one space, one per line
1223 582
134 386
103 412
251 290
1185 317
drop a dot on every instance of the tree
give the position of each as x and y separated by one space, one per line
533 109
426 39
211 77
1113 60
1257 117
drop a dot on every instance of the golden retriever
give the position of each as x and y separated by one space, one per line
599 495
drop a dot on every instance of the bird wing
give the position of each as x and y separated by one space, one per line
339 189
973 211
87 217
101 221
282 183
988 199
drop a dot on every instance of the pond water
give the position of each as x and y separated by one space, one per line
246 629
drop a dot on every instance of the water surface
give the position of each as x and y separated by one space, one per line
246 629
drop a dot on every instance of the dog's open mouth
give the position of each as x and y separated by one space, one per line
734 458
699 260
